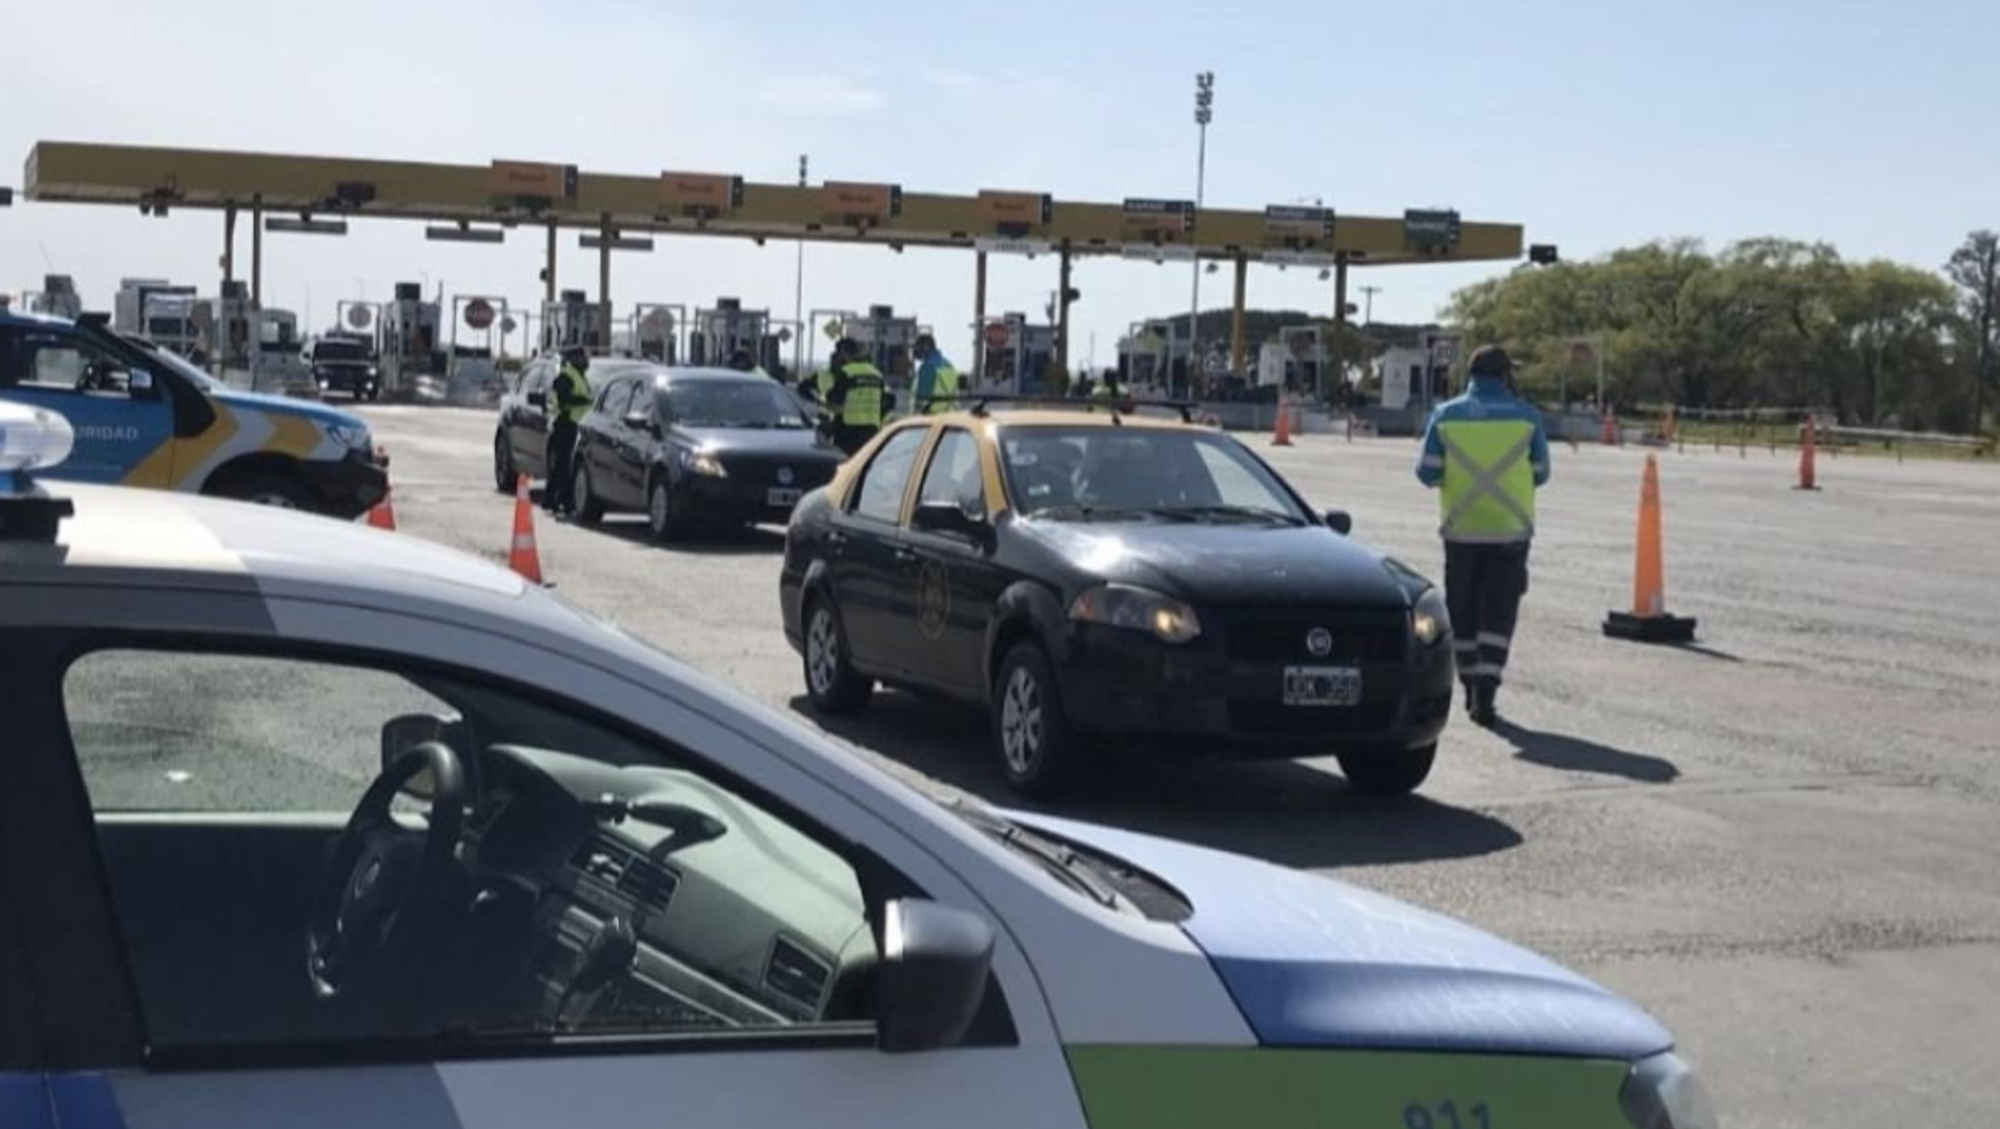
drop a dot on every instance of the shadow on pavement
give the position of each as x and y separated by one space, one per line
1707 652
735 541
1574 754
1284 812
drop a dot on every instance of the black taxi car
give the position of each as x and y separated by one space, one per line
1096 577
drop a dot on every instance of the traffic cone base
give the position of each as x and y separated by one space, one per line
1648 621
1281 432
1809 457
383 515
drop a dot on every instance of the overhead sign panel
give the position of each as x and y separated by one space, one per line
1299 258
533 180
1015 209
1157 219
1157 252
852 201
692 193
1289 221
1014 246
1431 227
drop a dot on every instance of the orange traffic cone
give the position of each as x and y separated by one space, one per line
1648 621
1809 457
522 556
1610 436
1281 432
383 516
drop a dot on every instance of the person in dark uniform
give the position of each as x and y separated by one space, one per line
569 401
858 399
1486 454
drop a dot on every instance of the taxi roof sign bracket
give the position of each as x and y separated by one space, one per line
28 513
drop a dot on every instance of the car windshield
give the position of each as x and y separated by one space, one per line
754 404
1132 472
328 350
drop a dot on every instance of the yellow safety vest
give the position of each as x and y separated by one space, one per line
823 384
1103 391
944 390
863 406
575 412
1488 494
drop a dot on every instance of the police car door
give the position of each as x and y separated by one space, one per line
120 412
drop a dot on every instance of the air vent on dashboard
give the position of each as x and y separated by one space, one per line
647 884
797 974
620 867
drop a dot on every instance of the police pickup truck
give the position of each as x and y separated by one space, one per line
145 417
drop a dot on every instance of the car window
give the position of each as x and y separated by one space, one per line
760 405
590 883
65 363
953 475
1167 471
888 475
613 400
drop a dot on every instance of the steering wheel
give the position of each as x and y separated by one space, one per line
382 871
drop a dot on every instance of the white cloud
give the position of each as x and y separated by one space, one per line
953 79
819 94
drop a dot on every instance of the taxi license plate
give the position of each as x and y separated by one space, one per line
782 496
1322 686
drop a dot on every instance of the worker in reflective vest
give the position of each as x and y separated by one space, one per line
1486 454
568 402
937 381
858 399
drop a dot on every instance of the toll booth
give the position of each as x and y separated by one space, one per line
1153 353
57 297
472 373
274 363
1016 356
224 333
1305 359
410 340
656 331
886 340
571 321
717 333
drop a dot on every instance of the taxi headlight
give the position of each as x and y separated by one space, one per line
32 438
1662 1092
1428 619
1137 609
351 437
703 463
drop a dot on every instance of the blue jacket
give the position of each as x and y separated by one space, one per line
1488 398
927 375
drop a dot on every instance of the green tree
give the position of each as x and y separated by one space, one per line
1975 267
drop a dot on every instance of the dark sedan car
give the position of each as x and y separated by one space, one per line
694 447
521 435
345 365
1096 579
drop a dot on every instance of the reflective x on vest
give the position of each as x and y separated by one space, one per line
1488 496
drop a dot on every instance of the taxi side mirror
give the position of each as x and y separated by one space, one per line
1340 521
936 960
947 517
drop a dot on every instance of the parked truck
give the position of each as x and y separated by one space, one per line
157 310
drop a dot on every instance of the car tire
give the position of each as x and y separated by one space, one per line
584 499
660 516
1040 754
266 488
1388 771
505 476
832 683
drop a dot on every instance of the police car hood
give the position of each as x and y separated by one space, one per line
1226 562
1312 962
317 414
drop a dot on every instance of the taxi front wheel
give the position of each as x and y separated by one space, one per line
833 684
1040 753
1388 771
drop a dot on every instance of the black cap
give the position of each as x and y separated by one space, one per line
1491 360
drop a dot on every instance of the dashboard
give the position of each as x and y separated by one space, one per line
656 900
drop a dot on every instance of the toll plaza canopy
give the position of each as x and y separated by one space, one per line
512 193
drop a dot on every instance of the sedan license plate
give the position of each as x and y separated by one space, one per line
782 496
1322 686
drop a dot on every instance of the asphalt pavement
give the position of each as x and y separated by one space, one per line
1784 841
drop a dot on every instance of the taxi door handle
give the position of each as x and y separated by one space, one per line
904 556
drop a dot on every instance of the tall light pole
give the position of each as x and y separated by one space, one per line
1204 112
1368 298
799 295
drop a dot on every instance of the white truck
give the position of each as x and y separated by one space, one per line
157 310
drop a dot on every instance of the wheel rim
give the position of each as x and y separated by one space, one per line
1021 722
502 473
822 652
656 508
580 493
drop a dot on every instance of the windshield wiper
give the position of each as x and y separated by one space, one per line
1257 512
1059 861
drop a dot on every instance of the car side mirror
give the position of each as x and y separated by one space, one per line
1340 521
538 399
400 733
139 382
946 517
641 421
935 963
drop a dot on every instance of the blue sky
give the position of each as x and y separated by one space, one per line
1871 126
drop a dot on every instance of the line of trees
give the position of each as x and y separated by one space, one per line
1764 322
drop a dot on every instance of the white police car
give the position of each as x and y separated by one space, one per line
308 825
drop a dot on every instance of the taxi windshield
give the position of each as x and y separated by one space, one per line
1159 473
